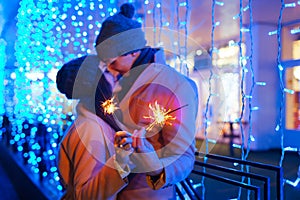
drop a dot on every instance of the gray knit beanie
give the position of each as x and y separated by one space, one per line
120 34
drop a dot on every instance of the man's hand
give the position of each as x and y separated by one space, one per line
144 156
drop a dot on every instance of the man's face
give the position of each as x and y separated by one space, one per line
122 64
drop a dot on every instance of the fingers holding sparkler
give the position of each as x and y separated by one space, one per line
137 140
123 148
140 142
123 140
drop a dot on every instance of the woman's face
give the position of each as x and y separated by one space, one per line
122 64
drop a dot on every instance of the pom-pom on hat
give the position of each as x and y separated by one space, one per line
120 34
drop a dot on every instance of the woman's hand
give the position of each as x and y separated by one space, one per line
123 147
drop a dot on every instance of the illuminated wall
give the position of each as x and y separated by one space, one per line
50 33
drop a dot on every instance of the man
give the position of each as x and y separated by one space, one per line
154 97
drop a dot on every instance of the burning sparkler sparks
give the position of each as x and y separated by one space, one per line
109 106
160 116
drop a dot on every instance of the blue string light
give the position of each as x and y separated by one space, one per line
279 127
243 95
178 31
280 71
242 80
160 23
182 27
207 105
154 22
186 20
49 33
250 136
2 75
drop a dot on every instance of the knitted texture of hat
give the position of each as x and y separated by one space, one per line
79 77
120 34
118 23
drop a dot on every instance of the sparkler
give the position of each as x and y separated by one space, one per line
160 116
109 106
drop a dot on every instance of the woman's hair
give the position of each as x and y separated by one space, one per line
82 79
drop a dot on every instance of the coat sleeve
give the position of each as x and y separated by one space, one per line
179 154
86 171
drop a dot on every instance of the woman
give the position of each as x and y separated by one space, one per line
91 164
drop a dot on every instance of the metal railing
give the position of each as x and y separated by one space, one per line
192 193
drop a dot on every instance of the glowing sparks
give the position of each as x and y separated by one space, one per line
160 116
109 106
157 114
